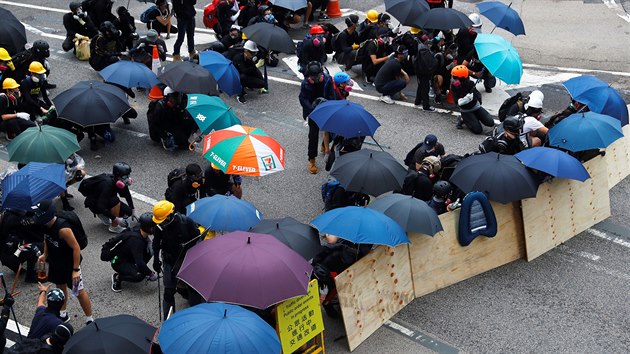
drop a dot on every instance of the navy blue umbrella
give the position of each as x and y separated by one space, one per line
585 131
345 118
369 171
406 11
503 16
223 71
33 183
598 96
554 162
412 214
129 74
224 213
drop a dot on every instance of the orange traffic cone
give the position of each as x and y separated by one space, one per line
156 93
333 9
449 97
156 63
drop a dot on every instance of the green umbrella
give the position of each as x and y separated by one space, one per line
43 144
210 113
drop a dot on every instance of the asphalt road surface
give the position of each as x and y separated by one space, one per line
572 299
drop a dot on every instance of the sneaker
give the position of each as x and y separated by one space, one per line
488 89
431 92
386 99
169 143
323 16
88 322
306 25
460 124
116 229
104 219
65 318
241 99
428 109
116 284
438 99
367 80
263 90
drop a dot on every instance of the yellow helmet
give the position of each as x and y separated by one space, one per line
161 210
4 55
372 16
9 84
36 68
415 30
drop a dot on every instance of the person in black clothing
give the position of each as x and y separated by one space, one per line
572 108
127 26
247 64
13 120
49 344
63 254
143 51
160 19
106 48
505 138
391 79
171 122
99 11
46 317
442 78
185 13
39 52
347 42
227 14
441 197
218 182
20 241
130 262
439 3
77 24
316 84
233 38
35 100
469 101
428 147
425 64
186 189
374 58
174 235
419 179
313 48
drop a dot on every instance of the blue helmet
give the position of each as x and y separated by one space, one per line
341 77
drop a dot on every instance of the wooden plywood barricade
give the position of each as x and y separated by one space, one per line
373 290
564 208
440 261
618 159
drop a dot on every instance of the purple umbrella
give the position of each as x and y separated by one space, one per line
245 268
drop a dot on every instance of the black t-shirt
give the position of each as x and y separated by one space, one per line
5 105
58 249
387 73
424 151
153 14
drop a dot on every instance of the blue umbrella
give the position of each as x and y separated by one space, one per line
598 96
554 162
500 57
502 16
361 225
217 328
224 213
33 183
585 131
129 74
223 71
210 113
345 118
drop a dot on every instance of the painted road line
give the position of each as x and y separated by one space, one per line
42 33
615 239
566 249
596 267
418 336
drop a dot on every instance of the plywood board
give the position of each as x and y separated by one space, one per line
373 290
439 261
564 208
618 159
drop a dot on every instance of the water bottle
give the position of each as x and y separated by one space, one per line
42 273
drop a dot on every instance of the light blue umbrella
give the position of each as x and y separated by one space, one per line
223 70
499 57
217 328
554 162
210 113
598 96
33 183
129 74
224 213
585 131
361 225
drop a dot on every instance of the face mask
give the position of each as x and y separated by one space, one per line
3 67
35 79
255 59
120 184
319 40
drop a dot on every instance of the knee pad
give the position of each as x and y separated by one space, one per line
169 295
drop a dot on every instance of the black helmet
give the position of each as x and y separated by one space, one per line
108 29
262 9
121 169
318 101
441 188
512 124
314 70
146 222
74 6
41 47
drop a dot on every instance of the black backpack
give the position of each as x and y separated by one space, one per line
508 103
144 16
173 176
90 185
75 224
425 62
111 247
328 191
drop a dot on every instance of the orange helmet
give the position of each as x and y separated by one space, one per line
317 29
460 71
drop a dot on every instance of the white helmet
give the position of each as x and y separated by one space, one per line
168 91
476 20
251 46
535 99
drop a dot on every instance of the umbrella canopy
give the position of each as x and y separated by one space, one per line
585 131
33 183
598 96
369 171
361 225
223 71
244 150
43 144
117 334
12 32
412 214
345 118
270 37
302 238
217 328
224 213
104 102
292 5
442 19
188 77
503 16
210 113
245 268
499 57
129 74
502 178
406 11
554 162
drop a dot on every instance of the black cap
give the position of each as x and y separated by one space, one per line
62 334
352 20
44 212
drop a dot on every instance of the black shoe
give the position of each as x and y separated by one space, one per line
428 109
116 285
126 120
488 89
459 125
323 16
50 86
65 318
438 99
93 145
241 99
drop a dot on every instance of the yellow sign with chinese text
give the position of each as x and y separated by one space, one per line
300 319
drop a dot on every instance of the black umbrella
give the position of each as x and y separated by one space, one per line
270 37
289 4
443 19
503 178
369 171
188 77
302 238
406 11
91 102
413 215
12 33
117 334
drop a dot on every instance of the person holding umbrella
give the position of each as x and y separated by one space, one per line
247 64
170 121
13 122
573 107
35 100
174 235
469 101
185 14
468 56
78 25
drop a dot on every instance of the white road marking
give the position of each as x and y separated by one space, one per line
566 249
11 326
42 33
618 240
610 3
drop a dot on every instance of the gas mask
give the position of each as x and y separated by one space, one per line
37 78
347 86
123 182
319 40
6 64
